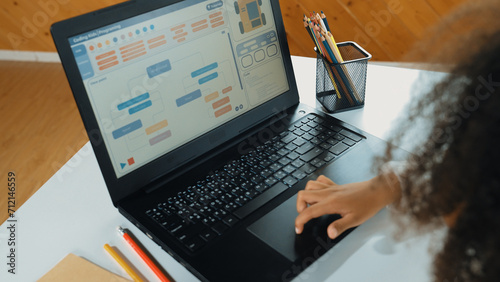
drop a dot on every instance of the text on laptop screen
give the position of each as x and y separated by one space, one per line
161 79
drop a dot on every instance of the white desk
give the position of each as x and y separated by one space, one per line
72 212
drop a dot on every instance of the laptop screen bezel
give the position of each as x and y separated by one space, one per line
120 188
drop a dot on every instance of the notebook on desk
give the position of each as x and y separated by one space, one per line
193 113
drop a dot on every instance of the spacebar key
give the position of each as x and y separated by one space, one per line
259 201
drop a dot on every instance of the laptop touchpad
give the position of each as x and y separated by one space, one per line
277 229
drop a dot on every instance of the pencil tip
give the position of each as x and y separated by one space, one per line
120 230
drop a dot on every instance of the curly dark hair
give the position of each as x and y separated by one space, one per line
457 168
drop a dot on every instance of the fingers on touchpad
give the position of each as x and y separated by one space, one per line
277 229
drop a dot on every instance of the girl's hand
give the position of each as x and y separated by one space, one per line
354 202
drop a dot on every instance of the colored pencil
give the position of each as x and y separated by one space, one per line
122 263
323 16
159 274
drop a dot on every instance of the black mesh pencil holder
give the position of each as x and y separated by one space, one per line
349 79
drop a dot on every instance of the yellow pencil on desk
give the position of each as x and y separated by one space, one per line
122 263
149 262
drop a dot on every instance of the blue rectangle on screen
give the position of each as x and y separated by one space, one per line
131 127
208 78
140 107
83 61
214 5
188 98
79 50
133 101
253 10
204 70
159 68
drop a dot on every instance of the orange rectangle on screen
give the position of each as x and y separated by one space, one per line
212 96
131 45
152 40
180 35
133 57
179 31
177 27
222 111
200 28
157 44
217 24
133 53
135 48
181 39
227 89
156 127
102 56
215 15
114 63
221 102
105 61
198 23
216 19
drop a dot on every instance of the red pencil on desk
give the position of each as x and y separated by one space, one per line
143 255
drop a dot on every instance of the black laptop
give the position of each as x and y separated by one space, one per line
193 113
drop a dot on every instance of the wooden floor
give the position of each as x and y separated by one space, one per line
40 126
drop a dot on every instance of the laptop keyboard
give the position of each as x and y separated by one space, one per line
208 209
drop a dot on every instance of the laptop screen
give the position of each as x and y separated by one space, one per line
161 79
